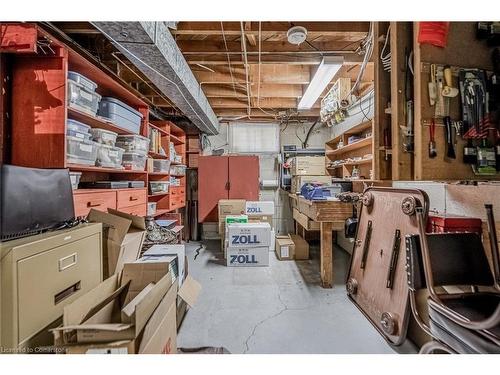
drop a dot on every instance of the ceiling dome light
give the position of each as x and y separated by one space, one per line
296 35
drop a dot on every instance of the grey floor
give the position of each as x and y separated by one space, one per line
277 309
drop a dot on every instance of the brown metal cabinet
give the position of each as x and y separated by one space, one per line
225 177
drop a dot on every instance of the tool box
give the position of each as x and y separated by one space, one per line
443 224
376 280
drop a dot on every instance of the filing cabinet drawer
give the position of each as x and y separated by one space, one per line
129 198
138 210
101 201
49 280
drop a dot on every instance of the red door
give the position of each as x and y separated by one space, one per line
244 177
212 186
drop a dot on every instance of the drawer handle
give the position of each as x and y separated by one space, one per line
67 262
90 204
133 198
62 295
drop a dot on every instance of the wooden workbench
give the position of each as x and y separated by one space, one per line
331 216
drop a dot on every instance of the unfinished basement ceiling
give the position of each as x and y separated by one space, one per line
277 72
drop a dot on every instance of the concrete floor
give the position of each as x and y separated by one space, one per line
277 309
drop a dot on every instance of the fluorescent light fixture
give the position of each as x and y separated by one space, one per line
329 66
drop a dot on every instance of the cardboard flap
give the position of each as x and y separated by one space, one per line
118 293
75 312
112 327
138 222
190 291
141 274
118 225
144 309
128 312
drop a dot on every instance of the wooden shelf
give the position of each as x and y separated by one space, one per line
158 173
95 122
155 155
178 175
163 132
161 212
352 163
354 130
351 147
89 168
193 152
176 140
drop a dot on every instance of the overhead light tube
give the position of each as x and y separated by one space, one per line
329 66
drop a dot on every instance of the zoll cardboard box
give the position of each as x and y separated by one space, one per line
123 238
285 248
299 181
301 247
261 219
248 235
308 166
259 208
247 257
231 207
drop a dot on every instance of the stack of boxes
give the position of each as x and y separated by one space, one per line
252 220
305 169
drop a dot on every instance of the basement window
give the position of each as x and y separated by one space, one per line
254 138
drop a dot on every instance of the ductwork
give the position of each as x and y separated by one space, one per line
152 49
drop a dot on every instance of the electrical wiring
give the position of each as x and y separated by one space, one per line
385 57
367 45
228 59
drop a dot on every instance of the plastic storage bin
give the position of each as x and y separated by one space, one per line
134 161
175 181
178 170
151 208
106 137
161 166
133 143
75 179
109 156
80 151
158 187
77 129
120 114
81 98
82 80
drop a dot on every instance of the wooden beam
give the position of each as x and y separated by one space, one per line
355 30
255 112
232 103
195 47
250 37
266 91
326 250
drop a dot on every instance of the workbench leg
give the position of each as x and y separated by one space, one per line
326 254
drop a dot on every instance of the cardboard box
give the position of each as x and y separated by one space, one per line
230 219
171 250
123 236
150 165
285 248
259 208
230 207
301 250
248 235
308 166
94 323
299 181
193 144
247 256
261 219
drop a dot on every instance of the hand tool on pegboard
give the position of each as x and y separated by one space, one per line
432 142
450 149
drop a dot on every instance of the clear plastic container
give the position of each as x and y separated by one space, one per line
175 181
161 166
77 129
82 99
133 143
151 208
75 179
80 151
109 156
158 187
82 80
134 161
178 170
103 136
120 114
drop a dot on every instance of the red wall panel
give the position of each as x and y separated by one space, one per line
212 178
244 177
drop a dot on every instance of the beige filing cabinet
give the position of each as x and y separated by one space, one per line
39 276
